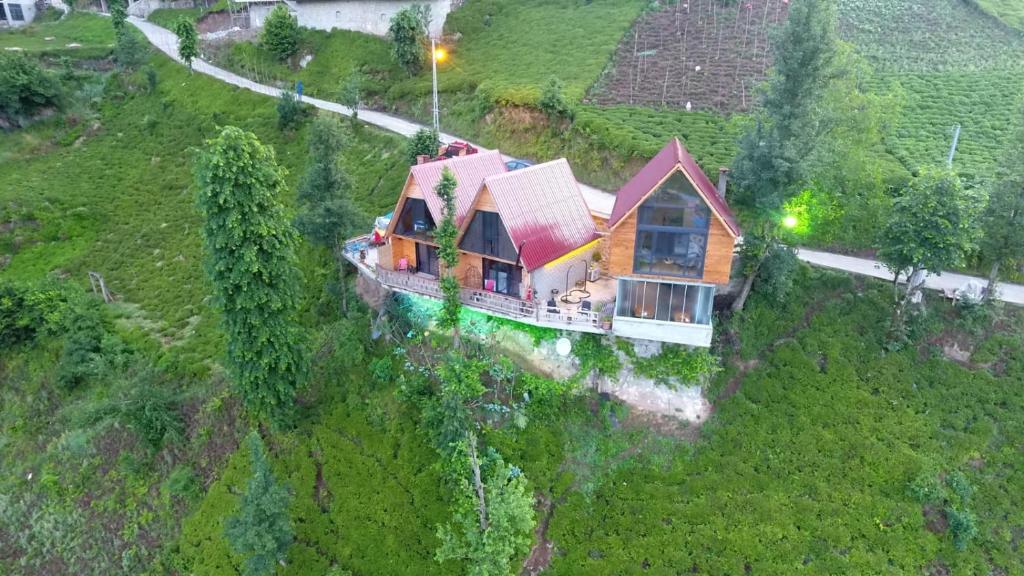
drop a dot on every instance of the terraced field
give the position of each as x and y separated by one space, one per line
707 54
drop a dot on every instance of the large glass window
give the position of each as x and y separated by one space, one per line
415 220
3 12
501 277
665 301
672 231
487 235
16 14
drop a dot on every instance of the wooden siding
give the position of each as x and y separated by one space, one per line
464 271
717 262
402 247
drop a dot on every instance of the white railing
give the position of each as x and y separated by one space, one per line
570 317
499 303
409 281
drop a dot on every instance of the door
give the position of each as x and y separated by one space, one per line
501 277
426 259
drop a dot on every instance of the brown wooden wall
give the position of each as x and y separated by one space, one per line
402 247
717 263
468 261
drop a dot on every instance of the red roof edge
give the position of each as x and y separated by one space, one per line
643 183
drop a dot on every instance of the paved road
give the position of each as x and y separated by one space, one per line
599 201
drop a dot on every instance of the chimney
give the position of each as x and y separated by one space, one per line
423 158
723 181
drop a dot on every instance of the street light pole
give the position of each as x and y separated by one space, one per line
437 107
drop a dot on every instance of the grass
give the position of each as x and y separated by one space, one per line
807 468
94 34
1011 12
336 55
166 17
928 36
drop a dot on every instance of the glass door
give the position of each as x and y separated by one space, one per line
426 259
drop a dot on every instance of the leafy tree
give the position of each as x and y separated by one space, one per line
129 51
251 262
188 41
351 92
261 531
407 33
552 100
776 153
327 215
493 516
1003 219
25 87
118 15
424 142
448 253
932 226
289 110
280 34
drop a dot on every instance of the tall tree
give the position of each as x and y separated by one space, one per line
280 34
351 93
776 153
188 41
493 515
327 215
250 259
118 15
424 142
933 226
261 531
448 253
1003 220
407 33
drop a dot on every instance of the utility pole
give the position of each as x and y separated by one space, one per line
437 107
952 148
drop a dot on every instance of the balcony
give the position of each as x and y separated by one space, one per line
561 316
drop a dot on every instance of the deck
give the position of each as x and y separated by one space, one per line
562 316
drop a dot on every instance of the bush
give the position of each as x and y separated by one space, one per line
424 142
406 32
678 364
594 354
25 88
289 110
775 277
78 360
27 310
141 400
280 34
552 101
963 526
129 52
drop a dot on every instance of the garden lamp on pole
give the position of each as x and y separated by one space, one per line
436 55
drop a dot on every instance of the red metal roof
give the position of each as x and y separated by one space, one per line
470 172
647 179
543 210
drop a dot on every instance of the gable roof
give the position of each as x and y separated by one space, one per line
543 210
470 172
672 156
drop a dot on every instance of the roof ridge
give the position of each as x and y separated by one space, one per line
547 164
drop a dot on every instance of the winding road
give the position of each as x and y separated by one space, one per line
599 201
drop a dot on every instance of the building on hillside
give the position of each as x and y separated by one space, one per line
531 250
15 13
369 16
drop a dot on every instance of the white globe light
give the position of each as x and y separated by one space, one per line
563 346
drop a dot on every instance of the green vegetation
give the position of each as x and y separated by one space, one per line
762 490
280 34
407 34
1010 12
25 88
93 35
249 247
261 532
509 51
166 17
188 40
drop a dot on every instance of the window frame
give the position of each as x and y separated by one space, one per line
19 15
663 235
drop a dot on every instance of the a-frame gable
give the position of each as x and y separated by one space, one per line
484 202
410 190
682 170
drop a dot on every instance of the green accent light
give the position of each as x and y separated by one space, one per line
789 222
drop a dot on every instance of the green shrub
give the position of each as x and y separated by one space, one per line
25 88
141 399
78 360
280 34
27 310
678 364
963 526
289 110
594 353
182 483
552 101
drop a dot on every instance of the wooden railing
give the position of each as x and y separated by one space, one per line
411 282
496 303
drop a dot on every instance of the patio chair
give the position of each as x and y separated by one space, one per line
403 264
586 306
552 306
